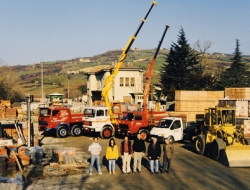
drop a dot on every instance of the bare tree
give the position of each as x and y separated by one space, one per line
202 49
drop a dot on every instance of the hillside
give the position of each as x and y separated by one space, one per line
56 72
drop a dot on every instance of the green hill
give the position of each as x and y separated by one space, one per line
56 72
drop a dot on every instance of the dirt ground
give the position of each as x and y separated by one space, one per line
189 171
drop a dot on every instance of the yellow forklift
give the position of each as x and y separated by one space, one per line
222 139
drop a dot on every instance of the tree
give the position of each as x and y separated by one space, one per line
181 62
236 75
201 79
8 88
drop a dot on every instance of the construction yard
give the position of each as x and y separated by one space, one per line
189 171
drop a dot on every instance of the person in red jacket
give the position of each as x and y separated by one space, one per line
126 151
154 153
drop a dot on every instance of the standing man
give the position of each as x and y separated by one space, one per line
154 153
126 151
95 150
139 150
168 150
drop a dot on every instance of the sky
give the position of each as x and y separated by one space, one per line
33 31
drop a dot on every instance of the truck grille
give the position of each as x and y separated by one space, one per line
44 123
123 126
87 123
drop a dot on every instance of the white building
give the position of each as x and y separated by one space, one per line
127 86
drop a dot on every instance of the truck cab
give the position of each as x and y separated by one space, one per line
168 127
133 122
97 120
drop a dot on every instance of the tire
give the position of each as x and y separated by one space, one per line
76 131
106 133
247 141
171 140
217 146
144 135
62 132
200 144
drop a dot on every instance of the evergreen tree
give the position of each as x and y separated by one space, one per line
181 62
236 75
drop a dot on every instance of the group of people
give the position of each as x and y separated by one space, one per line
129 150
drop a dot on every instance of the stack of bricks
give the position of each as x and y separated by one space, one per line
3 158
2 163
11 113
62 155
7 163
11 166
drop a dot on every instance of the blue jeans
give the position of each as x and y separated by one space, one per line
111 165
154 163
93 159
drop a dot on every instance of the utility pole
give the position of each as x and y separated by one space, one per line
42 80
29 99
68 85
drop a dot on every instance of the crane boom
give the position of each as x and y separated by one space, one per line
109 80
149 72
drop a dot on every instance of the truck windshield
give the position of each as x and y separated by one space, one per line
44 112
166 123
128 117
89 112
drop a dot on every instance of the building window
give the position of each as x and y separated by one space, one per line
121 81
132 82
126 81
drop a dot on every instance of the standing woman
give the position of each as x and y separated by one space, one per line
112 155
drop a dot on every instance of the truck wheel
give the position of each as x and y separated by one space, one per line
217 146
106 133
62 132
247 141
76 131
200 144
171 139
144 135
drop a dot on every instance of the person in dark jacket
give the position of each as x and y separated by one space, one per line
168 150
126 151
154 153
139 150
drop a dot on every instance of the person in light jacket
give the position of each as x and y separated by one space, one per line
112 155
95 150
168 150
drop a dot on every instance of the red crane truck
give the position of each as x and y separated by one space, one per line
142 121
61 121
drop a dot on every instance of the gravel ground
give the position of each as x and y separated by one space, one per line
189 171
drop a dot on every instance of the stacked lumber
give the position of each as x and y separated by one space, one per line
193 103
11 113
2 110
237 93
6 103
196 101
